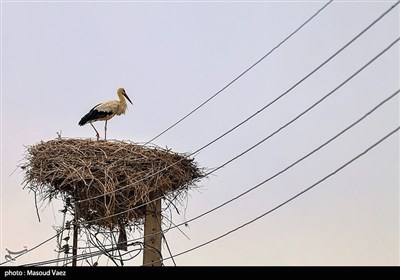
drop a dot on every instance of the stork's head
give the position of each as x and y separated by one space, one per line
122 92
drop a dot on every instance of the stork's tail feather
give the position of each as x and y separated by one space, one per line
83 121
88 117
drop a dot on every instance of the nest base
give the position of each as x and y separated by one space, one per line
107 181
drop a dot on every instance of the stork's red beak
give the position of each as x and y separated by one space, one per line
127 98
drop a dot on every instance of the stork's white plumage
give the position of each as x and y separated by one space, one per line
106 110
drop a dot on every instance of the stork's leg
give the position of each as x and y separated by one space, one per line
105 131
97 133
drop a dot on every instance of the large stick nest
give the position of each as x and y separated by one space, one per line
109 181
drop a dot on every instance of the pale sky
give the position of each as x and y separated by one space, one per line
61 58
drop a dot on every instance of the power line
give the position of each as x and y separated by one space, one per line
56 260
299 82
279 129
242 74
250 117
84 256
286 168
291 198
166 242
78 258
33 248
311 107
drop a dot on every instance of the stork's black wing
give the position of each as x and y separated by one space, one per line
93 115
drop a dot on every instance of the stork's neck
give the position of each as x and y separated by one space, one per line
122 98
122 105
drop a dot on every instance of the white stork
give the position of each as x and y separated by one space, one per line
105 111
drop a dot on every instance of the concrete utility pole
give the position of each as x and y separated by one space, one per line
152 242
